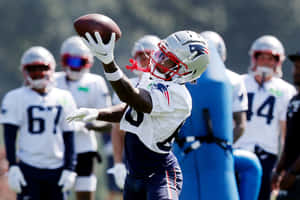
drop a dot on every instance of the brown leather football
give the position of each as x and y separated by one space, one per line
97 22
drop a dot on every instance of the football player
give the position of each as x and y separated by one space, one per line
268 97
89 90
285 175
141 53
41 164
153 112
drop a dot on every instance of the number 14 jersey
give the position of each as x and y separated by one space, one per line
267 106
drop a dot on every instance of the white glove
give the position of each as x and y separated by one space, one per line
119 172
16 179
80 127
67 180
104 52
83 115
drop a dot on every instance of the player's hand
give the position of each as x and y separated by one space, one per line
16 179
83 115
67 180
104 52
275 180
119 172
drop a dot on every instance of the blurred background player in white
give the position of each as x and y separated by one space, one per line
41 165
153 112
286 174
268 98
141 53
89 90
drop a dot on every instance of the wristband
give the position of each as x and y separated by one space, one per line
115 76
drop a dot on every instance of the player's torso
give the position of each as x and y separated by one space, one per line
90 93
40 119
171 106
84 91
266 105
293 128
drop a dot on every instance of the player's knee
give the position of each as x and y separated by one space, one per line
86 183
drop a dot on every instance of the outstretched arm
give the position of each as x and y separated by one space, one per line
138 99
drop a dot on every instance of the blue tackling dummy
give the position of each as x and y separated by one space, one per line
203 145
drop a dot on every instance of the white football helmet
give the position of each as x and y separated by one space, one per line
218 40
188 50
268 44
76 57
37 56
145 46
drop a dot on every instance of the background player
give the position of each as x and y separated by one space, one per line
89 90
285 175
42 165
154 113
268 97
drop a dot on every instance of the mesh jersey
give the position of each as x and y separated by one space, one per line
267 106
172 104
90 91
41 121
239 93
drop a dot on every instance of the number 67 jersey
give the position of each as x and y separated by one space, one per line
267 106
41 122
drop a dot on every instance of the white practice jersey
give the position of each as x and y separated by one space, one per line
266 108
90 91
239 93
41 121
172 104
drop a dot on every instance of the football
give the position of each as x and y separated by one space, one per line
97 22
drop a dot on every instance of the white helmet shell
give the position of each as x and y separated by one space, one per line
190 50
218 40
74 46
268 44
147 43
38 55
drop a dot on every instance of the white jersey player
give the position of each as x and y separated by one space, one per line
153 112
89 90
268 98
45 143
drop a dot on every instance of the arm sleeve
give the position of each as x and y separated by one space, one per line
10 136
70 156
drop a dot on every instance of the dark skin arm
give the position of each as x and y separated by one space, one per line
112 114
240 124
99 126
136 98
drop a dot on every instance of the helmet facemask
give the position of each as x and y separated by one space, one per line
38 75
165 65
75 66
